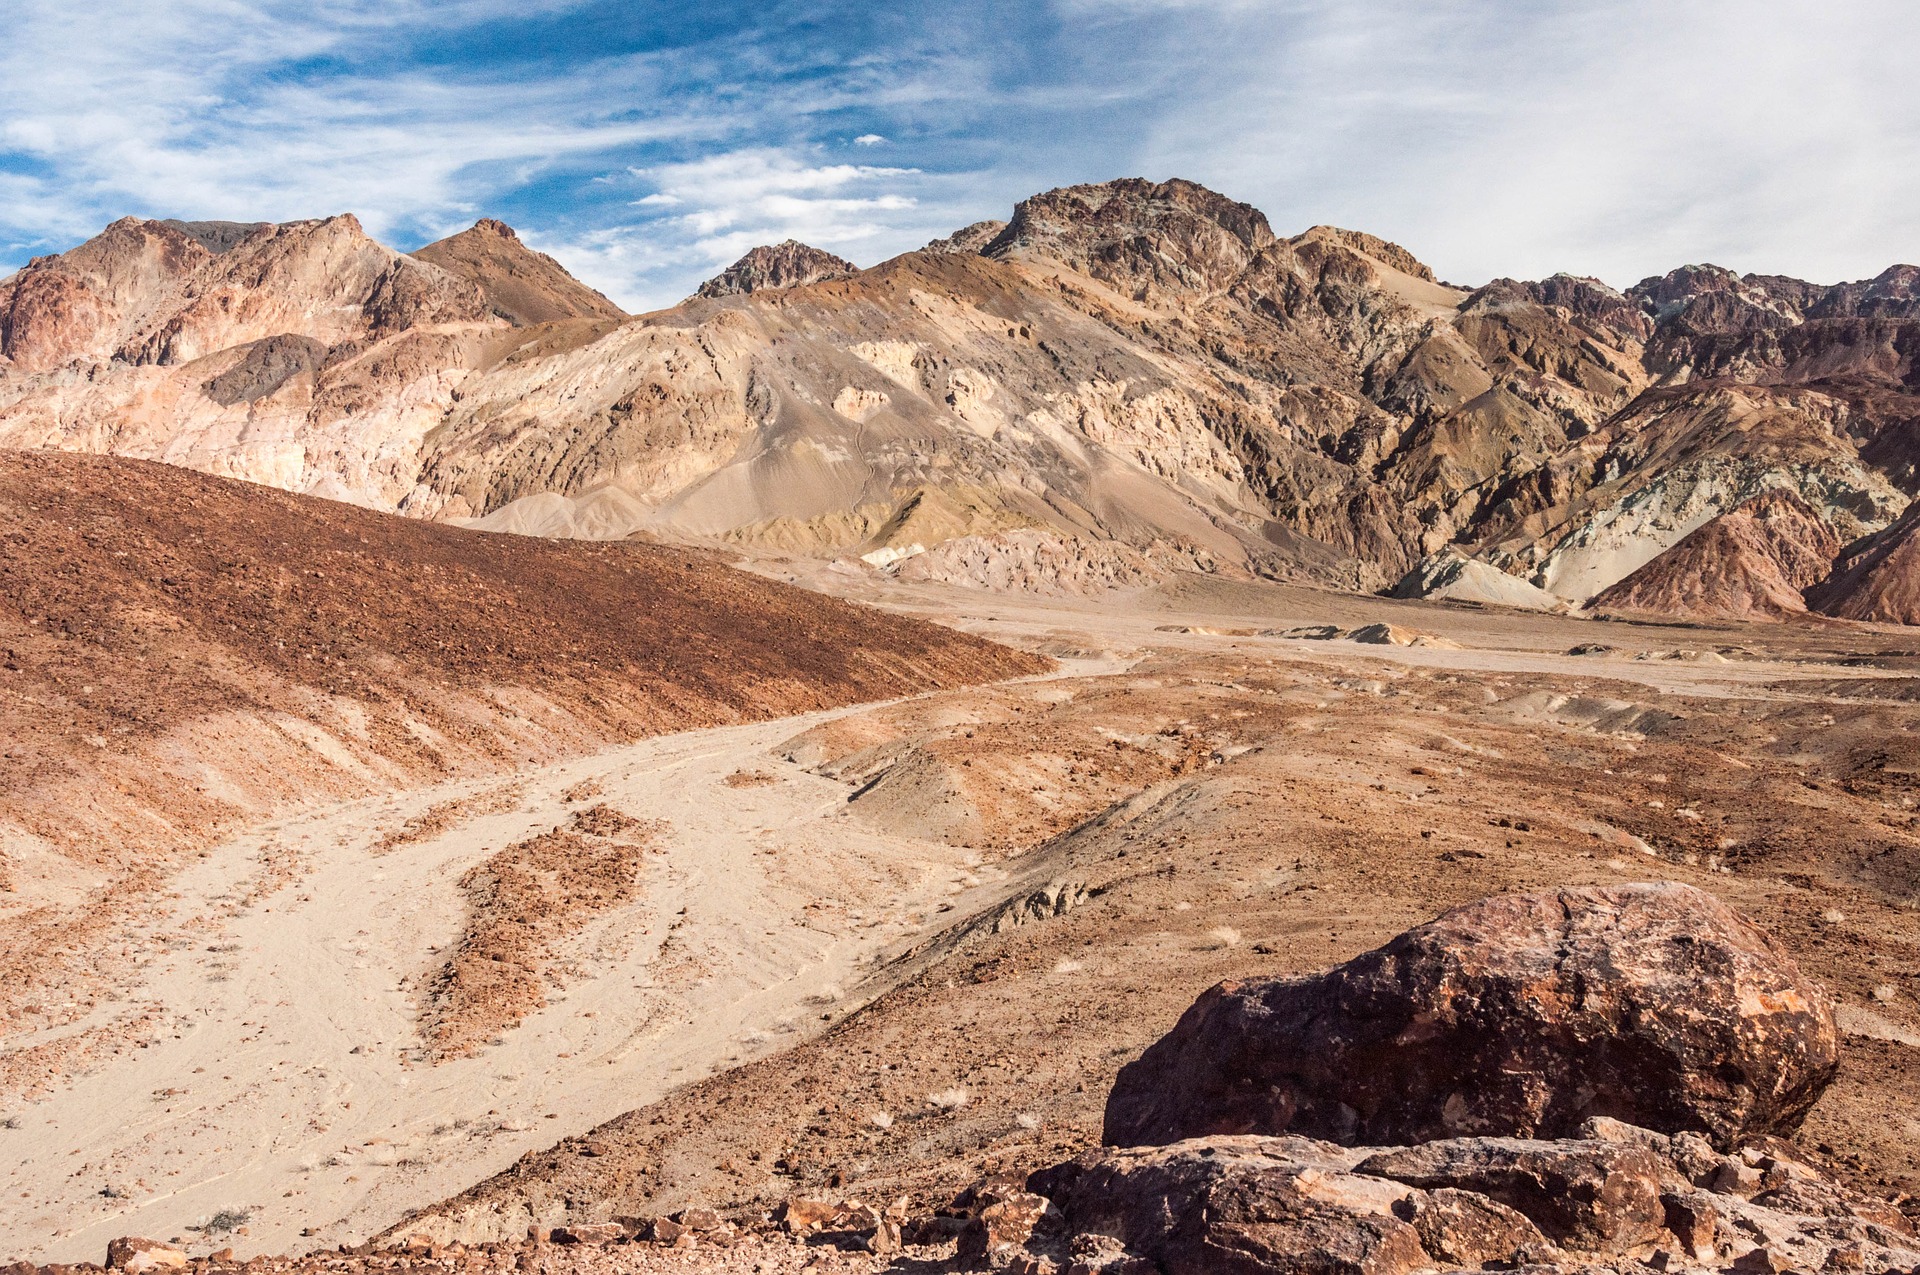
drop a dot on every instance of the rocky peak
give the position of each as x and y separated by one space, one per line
1711 299
1893 293
1381 250
216 236
789 264
968 239
77 305
1140 236
1585 298
520 285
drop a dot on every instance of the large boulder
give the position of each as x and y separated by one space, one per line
1518 1016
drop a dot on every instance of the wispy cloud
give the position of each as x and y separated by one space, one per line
646 145
1614 137
707 212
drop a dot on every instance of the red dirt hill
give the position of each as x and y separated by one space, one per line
179 652
1878 579
1750 563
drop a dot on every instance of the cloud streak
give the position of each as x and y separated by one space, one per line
646 146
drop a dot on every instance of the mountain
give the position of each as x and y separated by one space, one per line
1877 578
788 264
1753 562
1127 372
522 286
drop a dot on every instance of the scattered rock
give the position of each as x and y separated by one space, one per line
1522 1016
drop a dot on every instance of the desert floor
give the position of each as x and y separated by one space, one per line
880 949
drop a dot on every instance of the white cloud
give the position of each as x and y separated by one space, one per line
868 139
181 109
720 206
1613 137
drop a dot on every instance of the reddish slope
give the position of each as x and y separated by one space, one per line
1750 563
1878 579
521 285
180 652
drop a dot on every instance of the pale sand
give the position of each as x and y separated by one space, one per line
286 1078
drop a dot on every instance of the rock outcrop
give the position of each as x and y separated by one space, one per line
1518 1016
1753 562
1615 1197
787 264
520 285
1449 576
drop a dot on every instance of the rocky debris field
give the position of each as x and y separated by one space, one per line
1603 1194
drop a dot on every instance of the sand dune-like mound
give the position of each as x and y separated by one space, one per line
522 286
1877 579
1750 563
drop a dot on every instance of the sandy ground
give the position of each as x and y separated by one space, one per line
287 1078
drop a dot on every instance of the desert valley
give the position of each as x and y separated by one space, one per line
1120 741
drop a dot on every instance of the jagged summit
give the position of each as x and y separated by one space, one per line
788 264
968 239
1137 234
1382 250
216 236
150 292
522 286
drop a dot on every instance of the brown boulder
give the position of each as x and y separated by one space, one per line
1599 1197
1519 1016
1459 1228
135 1256
1614 1197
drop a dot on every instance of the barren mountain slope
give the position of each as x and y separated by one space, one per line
522 286
1132 370
182 653
1877 578
1753 562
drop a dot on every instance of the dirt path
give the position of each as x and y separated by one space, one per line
287 1079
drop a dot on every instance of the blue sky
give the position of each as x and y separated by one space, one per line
646 144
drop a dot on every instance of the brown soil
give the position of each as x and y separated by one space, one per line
522 904
438 819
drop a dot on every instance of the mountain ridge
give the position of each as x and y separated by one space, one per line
1123 363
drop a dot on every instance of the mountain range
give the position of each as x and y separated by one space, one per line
1121 381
